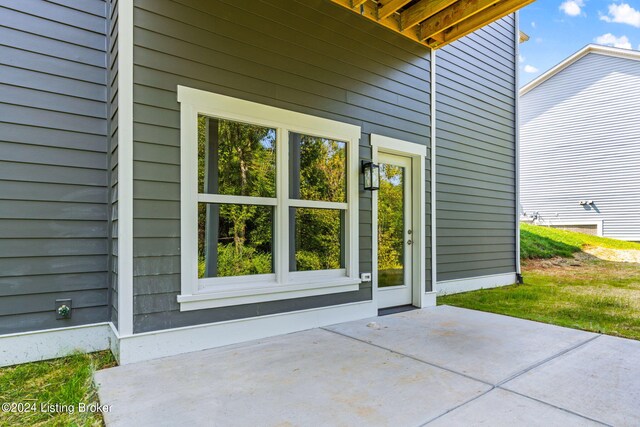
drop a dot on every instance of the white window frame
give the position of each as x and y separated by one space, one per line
200 293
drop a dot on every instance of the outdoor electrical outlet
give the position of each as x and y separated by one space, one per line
365 277
63 308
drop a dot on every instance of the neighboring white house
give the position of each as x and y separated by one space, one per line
580 144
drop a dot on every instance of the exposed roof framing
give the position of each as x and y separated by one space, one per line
434 23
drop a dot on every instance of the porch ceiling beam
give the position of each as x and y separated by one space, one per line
452 15
356 3
421 11
389 7
369 10
479 20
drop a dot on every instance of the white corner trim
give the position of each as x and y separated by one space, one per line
447 287
429 299
591 48
516 61
152 345
567 222
52 343
125 167
434 158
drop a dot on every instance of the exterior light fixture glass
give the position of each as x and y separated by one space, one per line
371 173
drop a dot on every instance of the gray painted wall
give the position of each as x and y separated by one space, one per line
308 56
580 140
475 162
53 157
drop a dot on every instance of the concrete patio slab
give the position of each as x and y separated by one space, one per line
503 408
314 377
485 346
600 380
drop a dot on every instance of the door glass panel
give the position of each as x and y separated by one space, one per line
391 226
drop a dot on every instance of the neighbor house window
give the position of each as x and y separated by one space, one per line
268 202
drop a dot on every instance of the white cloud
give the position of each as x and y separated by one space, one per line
530 69
611 40
623 14
533 24
521 58
572 7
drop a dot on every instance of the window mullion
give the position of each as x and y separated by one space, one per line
281 232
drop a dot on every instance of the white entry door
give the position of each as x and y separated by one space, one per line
395 231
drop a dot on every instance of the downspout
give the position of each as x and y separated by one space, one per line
516 40
434 263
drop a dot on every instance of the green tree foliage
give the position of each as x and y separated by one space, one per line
245 167
244 162
390 217
322 178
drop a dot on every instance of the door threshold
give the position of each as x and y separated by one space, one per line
393 310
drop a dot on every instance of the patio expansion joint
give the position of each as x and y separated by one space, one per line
546 360
457 406
413 358
557 407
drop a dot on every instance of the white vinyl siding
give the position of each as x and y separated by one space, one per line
580 140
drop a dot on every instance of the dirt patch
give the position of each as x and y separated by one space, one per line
576 261
617 255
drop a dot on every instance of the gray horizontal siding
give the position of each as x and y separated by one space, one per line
308 56
580 141
475 164
53 154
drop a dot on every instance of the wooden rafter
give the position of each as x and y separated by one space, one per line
479 20
389 7
434 23
421 11
356 3
452 15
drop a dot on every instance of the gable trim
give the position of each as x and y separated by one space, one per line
592 48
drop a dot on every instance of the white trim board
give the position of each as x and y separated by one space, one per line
447 287
53 343
170 342
125 167
516 61
433 159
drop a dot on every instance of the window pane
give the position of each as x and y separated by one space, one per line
236 159
234 240
391 226
318 168
318 239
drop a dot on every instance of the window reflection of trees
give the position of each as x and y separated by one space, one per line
390 225
239 159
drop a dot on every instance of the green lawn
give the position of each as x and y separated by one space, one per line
578 291
66 381
546 242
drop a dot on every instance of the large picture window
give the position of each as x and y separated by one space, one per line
268 202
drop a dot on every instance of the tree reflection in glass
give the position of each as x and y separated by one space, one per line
235 159
391 226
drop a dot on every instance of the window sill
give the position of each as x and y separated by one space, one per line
210 298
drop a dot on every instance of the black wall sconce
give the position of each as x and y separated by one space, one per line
371 173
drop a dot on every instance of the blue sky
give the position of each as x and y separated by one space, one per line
558 28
